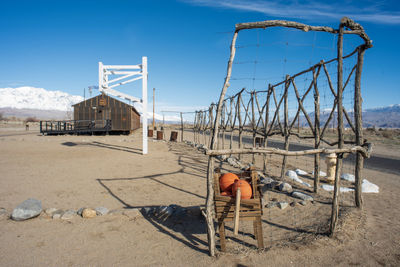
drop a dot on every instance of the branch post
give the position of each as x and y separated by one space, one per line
316 134
181 127
210 170
358 126
336 191
286 125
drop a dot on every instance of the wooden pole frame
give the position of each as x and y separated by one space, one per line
352 28
317 134
358 126
336 191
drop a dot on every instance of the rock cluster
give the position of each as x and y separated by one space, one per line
31 208
163 213
269 183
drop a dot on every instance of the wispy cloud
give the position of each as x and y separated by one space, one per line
11 83
365 11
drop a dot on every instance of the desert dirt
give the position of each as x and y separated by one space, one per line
70 172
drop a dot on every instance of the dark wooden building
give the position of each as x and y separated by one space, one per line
103 108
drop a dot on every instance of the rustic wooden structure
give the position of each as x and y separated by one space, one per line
265 119
75 127
249 209
124 118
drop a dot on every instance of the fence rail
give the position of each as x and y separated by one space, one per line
75 127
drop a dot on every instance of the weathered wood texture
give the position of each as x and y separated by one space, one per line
336 191
235 209
124 117
358 127
245 114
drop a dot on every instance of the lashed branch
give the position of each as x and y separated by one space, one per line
354 27
269 150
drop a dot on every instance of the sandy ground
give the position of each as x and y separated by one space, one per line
70 172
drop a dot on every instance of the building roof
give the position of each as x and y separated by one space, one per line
104 95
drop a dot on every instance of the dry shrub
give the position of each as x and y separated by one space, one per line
31 119
387 133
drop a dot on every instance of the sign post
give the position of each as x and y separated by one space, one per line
134 72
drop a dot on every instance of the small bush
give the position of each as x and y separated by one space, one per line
31 119
388 134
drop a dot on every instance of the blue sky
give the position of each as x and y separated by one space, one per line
57 45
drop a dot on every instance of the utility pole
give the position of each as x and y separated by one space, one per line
154 103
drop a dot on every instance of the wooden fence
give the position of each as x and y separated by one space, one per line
244 112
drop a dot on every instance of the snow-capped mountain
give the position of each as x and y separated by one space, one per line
27 97
29 101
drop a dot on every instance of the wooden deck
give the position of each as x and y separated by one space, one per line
75 127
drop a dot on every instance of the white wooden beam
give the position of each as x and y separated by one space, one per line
121 95
122 67
120 78
144 104
124 82
117 72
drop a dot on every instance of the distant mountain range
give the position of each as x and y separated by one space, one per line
26 101
385 117
23 102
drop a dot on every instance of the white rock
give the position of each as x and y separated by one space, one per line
302 196
50 211
348 177
283 205
231 161
68 215
30 208
285 187
328 187
368 187
266 180
321 173
100 211
292 175
56 216
301 172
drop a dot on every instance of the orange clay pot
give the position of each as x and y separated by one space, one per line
245 189
226 181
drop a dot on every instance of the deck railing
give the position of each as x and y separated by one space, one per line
75 126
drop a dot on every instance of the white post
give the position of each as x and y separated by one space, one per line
144 103
100 76
106 86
